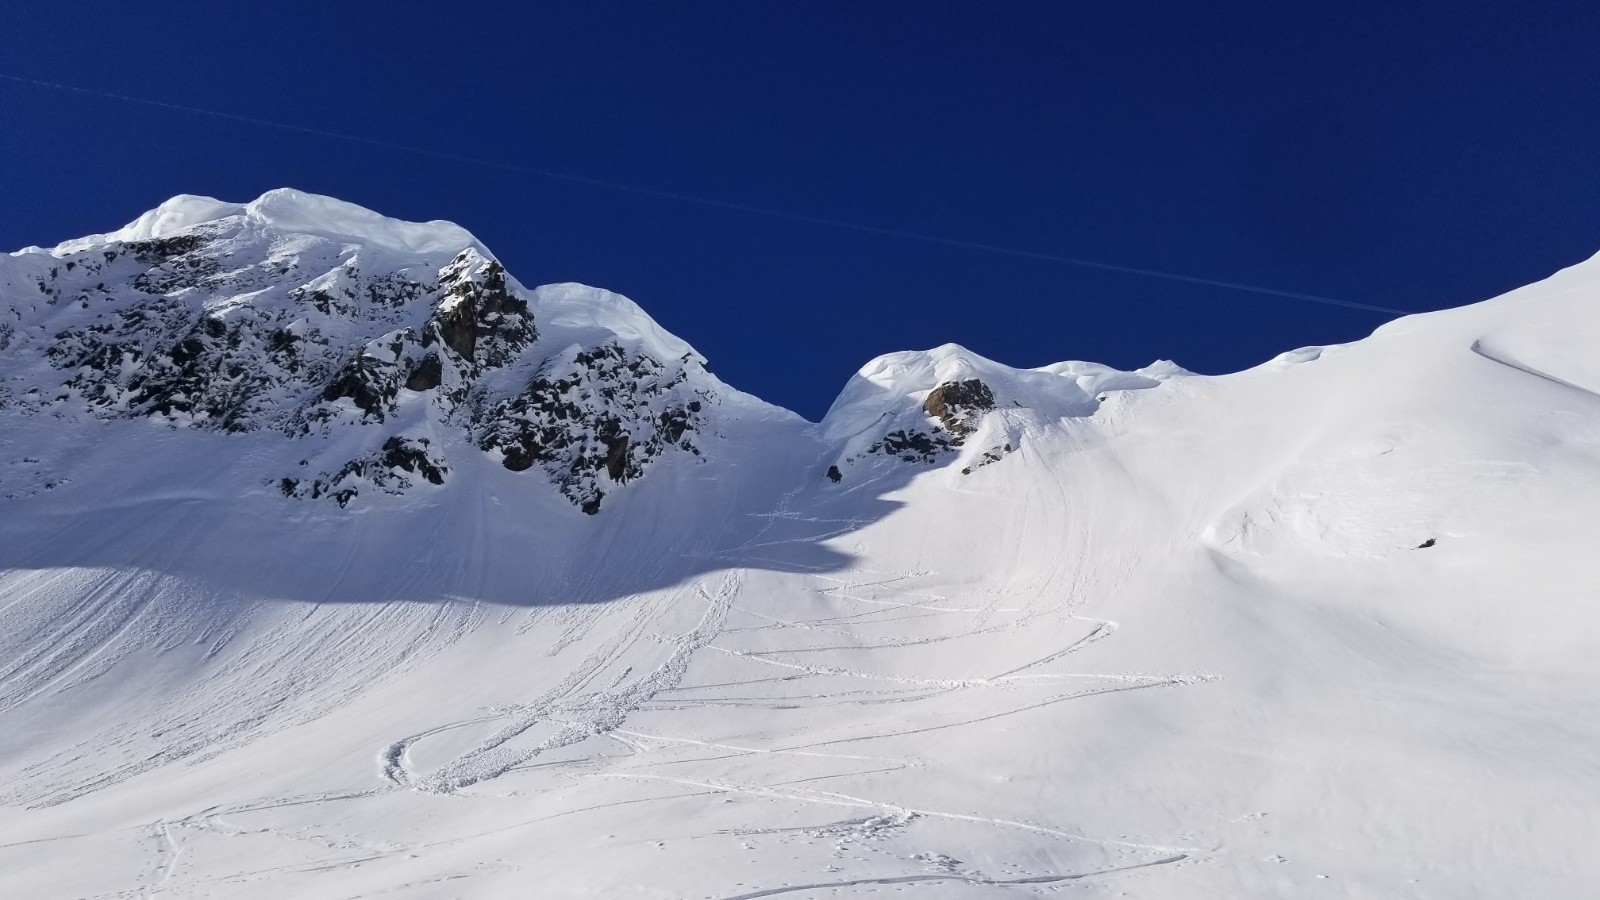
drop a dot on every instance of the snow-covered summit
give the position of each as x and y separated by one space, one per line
290 211
951 404
1057 390
406 344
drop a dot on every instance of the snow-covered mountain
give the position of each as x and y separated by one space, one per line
335 562
311 317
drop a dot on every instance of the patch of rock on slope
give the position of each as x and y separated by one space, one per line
387 349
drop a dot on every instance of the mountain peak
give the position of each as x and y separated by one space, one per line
384 353
949 404
295 212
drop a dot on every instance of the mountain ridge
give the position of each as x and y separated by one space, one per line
301 313
1322 628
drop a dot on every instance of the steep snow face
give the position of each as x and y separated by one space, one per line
312 317
1321 629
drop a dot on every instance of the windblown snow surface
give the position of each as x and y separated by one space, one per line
1323 628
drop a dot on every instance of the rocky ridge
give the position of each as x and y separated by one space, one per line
260 320
386 354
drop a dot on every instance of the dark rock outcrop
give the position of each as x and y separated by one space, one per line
426 374
601 410
386 471
955 408
914 446
479 318
989 457
958 404
411 455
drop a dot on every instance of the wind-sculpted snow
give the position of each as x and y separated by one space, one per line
298 597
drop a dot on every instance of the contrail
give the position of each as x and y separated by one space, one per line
712 203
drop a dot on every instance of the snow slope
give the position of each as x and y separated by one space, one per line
1324 628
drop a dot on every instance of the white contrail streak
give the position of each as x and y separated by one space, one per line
716 204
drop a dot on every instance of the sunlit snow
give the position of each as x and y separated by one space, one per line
1323 628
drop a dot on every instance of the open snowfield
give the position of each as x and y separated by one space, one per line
1326 628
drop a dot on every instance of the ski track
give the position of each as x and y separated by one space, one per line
843 590
832 798
595 697
786 650
167 853
965 879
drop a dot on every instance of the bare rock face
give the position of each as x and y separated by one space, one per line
390 470
595 419
915 445
371 380
928 433
958 404
479 318
170 336
955 408
477 325
426 374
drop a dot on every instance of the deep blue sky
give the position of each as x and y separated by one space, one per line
1401 154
